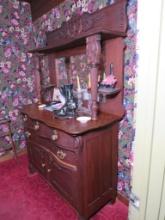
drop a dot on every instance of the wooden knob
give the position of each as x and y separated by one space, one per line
43 165
28 134
36 126
25 118
54 136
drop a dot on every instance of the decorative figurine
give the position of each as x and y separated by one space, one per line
68 110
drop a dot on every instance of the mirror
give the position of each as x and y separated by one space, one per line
73 70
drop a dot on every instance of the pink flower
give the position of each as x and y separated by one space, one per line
4 34
22 73
5 70
4 129
15 5
15 102
8 52
23 67
109 80
8 64
14 22
16 14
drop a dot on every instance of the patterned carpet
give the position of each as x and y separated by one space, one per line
29 197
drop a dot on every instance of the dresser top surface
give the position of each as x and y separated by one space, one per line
71 125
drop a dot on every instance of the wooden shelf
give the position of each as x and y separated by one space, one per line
108 91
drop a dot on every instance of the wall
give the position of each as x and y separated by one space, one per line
16 67
149 164
17 80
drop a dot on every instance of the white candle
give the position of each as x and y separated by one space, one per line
78 83
89 81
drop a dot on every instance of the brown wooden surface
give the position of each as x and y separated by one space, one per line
114 52
89 163
70 126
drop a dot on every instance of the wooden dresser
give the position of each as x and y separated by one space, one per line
80 159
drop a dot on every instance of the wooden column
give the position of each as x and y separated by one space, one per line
93 51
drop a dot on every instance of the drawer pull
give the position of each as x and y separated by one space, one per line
61 154
43 165
25 118
36 126
54 136
49 170
28 134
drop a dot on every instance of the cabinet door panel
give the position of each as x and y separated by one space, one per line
37 156
63 177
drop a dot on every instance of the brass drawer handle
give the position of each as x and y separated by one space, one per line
54 136
36 126
61 154
49 170
43 165
28 134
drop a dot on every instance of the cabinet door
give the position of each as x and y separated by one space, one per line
100 167
37 156
63 174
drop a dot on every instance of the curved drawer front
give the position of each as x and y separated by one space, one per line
36 128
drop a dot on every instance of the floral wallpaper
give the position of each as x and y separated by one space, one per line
127 126
17 68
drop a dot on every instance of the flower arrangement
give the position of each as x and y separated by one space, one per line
110 80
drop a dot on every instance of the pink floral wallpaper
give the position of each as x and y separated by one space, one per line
17 68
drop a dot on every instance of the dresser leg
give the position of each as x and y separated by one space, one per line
31 168
82 218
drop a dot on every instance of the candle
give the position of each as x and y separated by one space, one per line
89 81
99 78
78 83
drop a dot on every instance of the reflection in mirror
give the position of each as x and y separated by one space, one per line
44 71
72 70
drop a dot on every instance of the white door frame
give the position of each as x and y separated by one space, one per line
148 182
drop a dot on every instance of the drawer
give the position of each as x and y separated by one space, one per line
64 157
36 128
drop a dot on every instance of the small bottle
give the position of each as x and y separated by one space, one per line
111 69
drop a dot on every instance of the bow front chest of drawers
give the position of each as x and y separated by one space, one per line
79 160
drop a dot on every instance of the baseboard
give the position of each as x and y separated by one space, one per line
123 199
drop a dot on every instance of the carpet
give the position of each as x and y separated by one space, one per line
24 196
